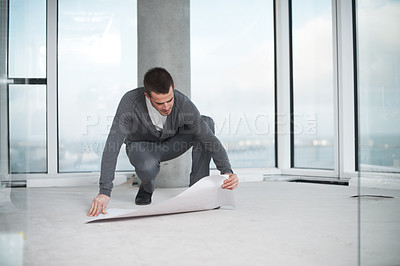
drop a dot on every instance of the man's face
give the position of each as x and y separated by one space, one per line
162 102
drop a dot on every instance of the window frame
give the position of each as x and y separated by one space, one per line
344 93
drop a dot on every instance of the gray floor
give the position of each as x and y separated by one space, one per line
275 223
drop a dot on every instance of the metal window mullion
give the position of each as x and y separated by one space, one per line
346 95
283 84
275 86
28 81
335 92
291 83
52 110
4 147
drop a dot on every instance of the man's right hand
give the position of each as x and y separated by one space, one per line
99 204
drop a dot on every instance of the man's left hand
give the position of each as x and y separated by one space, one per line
231 183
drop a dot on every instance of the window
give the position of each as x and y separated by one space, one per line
27 114
313 77
232 66
96 66
27 39
378 26
26 97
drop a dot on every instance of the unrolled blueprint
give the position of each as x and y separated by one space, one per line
206 194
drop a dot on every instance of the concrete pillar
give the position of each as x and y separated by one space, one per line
164 41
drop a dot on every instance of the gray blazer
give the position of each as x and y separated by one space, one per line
132 123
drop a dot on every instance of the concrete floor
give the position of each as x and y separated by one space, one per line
275 223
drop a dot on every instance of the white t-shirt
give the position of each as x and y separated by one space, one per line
157 119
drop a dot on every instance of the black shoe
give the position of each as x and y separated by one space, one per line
143 197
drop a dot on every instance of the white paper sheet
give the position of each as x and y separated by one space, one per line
206 194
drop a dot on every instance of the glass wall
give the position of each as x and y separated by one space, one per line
27 102
378 40
97 64
232 75
313 77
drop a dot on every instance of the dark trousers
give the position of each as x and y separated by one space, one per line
147 156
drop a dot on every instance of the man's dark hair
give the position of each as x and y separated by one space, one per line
157 80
